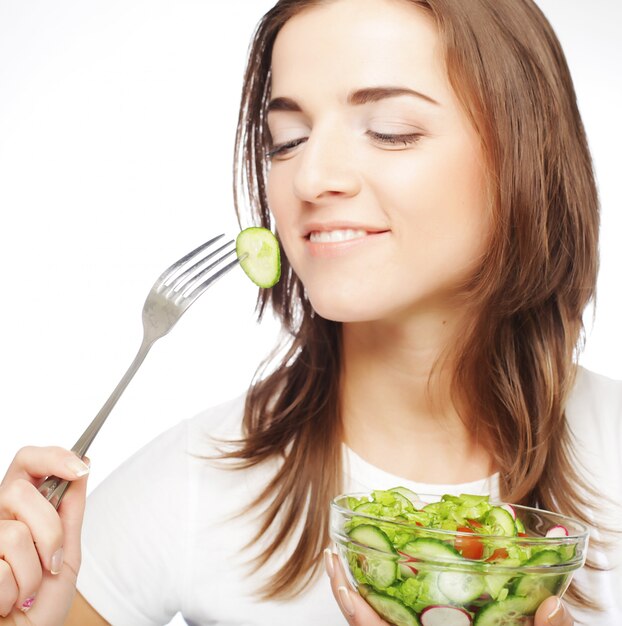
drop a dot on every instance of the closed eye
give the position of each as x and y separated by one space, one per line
390 139
397 140
283 148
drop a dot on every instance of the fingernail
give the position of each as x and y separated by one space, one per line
556 617
27 604
78 467
328 563
346 600
57 562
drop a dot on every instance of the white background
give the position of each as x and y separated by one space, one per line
117 121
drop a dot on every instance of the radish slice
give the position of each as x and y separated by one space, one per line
557 531
510 509
445 615
408 571
407 557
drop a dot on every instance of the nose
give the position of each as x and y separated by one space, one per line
326 168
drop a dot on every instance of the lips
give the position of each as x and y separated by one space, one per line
335 240
339 231
336 236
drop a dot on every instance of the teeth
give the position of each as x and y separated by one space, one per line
333 236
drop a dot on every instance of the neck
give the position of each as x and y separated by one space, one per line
396 403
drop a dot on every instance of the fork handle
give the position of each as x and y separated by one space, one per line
86 439
53 488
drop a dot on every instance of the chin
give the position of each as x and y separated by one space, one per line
340 310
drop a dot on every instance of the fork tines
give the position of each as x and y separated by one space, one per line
193 274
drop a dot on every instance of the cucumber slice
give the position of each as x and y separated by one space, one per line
510 509
520 527
391 609
366 507
496 583
428 549
259 254
536 588
461 587
372 537
380 571
411 496
509 612
502 521
429 592
567 553
403 500
544 557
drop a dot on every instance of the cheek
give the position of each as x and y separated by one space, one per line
282 204
275 192
280 199
446 196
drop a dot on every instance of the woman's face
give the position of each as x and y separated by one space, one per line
377 183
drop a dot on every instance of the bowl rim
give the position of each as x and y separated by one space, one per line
572 538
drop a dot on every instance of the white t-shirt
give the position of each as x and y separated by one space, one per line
160 534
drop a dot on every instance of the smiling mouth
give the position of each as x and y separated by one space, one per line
326 242
336 236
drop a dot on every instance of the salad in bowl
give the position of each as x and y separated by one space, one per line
422 560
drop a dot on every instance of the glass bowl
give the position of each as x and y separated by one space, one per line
412 575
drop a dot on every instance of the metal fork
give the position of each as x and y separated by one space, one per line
176 289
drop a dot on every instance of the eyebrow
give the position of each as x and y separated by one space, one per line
358 97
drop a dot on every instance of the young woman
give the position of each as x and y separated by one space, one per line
427 172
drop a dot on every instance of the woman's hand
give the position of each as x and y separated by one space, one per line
357 612
39 547
553 612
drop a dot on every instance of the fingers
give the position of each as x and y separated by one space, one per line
20 567
34 537
20 501
356 611
9 591
32 463
553 612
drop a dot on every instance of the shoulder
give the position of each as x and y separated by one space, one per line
167 457
162 497
594 404
222 422
594 415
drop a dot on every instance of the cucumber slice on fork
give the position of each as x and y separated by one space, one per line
259 254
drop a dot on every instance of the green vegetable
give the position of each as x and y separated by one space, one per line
403 568
392 610
259 254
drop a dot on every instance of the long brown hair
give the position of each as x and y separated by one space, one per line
518 359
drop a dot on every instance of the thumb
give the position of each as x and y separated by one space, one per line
552 612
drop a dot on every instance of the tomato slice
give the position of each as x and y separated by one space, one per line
469 547
498 554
